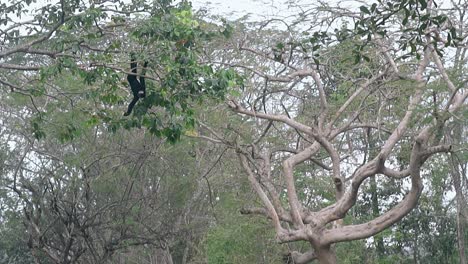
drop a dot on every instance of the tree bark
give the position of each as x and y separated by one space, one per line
163 256
461 218
461 234
459 197
379 243
326 255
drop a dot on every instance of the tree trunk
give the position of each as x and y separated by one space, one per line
461 220
375 213
163 256
461 235
458 179
186 254
379 243
326 255
416 249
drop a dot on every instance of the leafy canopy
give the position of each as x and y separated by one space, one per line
90 44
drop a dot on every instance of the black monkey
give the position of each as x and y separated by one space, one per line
138 87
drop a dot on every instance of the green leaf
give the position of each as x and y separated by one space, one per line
422 27
453 31
279 45
405 21
357 58
449 40
413 47
364 9
228 31
423 4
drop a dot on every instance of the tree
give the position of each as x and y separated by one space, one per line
323 100
100 197
90 44
315 105
86 195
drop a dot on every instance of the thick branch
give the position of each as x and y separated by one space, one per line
316 161
290 77
443 72
303 258
400 130
388 58
354 232
354 96
266 173
435 149
280 118
323 99
264 212
25 47
288 169
258 189
19 67
402 126
338 210
335 157
395 174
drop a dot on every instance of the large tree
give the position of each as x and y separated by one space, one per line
92 42
331 97
100 197
347 95
84 190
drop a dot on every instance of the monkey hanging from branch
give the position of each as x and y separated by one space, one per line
138 87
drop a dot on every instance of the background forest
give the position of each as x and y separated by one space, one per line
327 133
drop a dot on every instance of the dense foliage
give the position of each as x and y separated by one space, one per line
339 132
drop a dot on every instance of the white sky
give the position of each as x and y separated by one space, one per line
239 8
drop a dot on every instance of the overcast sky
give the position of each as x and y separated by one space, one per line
239 8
